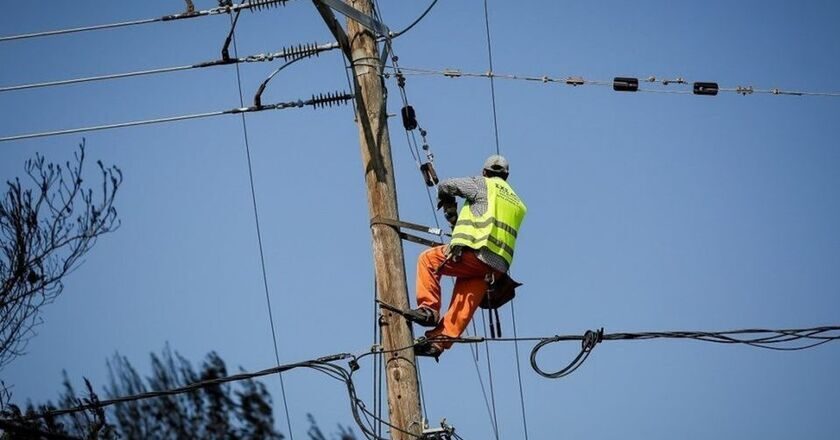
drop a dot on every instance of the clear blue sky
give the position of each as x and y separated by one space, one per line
646 211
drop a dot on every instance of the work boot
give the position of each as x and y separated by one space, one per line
424 347
423 316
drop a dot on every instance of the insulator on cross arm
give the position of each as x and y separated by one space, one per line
304 50
621 84
258 5
329 99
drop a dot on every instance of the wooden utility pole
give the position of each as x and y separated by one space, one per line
389 261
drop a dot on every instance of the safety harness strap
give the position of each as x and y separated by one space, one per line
501 289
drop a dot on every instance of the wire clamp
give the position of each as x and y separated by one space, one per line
444 432
592 338
575 81
744 90
452 73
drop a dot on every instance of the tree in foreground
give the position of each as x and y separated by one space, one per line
235 410
48 221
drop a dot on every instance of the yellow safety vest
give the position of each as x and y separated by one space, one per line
498 227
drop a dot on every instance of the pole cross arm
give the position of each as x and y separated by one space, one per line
397 224
325 8
334 27
363 19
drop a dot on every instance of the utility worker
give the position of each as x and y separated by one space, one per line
483 240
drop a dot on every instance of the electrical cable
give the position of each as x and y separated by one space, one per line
295 52
314 51
317 101
422 396
96 78
492 83
762 338
375 320
324 365
498 151
418 20
474 352
380 379
759 338
575 81
378 361
519 371
111 126
253 5
495 418
191 387
80 29
257 225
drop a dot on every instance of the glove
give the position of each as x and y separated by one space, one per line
450 212
446 200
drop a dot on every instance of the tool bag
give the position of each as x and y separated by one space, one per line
501 289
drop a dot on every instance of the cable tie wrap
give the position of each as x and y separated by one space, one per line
592 338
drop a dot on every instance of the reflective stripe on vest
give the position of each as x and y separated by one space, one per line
498 227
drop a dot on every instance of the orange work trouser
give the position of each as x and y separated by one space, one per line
470 288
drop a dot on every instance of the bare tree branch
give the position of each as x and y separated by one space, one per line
47 224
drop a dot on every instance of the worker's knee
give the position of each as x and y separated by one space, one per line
430 258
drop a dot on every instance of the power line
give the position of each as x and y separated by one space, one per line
519 372
293 52
481 383
417 20
779 340
580 81
495 418
496 137
325 364
782 340
761 338
498 151
491 76
226 9
317 101
257 225
194 386
97 78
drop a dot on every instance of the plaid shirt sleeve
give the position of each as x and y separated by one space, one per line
473 189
